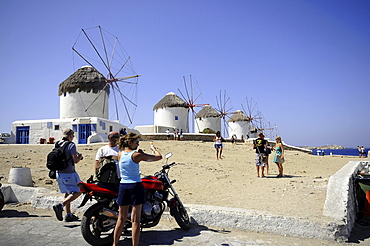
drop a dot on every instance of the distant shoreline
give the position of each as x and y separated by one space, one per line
334 146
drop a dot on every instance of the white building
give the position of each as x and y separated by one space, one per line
172 112
83 108
84 94
207 117
239 124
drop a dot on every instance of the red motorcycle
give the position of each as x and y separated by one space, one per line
99 220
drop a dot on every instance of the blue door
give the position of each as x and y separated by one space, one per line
22 135
84 131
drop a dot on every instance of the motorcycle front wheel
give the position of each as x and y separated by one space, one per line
97 229
181 216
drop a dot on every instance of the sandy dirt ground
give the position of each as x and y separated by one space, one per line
203 180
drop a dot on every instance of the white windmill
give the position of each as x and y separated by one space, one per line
171 111
208 118
81 89
238 124
95 94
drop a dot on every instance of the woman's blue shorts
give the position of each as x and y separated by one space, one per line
131 194
217 146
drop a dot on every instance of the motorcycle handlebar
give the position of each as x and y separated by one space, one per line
167 166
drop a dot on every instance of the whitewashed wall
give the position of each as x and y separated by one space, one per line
239 128
74 105
166 117
46 128
213 123
153 129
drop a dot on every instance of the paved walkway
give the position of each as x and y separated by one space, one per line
42 228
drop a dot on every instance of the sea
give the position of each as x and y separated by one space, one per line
350 152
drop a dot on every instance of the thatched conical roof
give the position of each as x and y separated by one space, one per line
238 116
207 112
85 79
171 100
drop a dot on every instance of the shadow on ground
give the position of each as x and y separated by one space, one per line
11 213
359 233
169 237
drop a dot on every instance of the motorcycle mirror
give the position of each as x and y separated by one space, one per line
168 155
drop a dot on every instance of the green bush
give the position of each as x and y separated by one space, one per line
208 131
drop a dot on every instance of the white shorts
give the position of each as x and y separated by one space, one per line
67 182
261 159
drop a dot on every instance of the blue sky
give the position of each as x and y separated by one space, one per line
305 63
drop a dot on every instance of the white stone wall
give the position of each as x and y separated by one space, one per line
239 128
46 128
213 123
40 129
75 105
167 117
153 129
340 203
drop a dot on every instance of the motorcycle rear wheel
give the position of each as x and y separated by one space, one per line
2 200
92 226
181 216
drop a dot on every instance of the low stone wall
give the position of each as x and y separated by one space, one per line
340 203
186 137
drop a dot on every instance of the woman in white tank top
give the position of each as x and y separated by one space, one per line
218 144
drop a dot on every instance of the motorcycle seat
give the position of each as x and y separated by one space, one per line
96 188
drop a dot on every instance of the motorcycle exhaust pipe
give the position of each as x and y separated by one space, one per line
109 213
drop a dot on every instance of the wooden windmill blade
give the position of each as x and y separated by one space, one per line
104 52
225 109
191 94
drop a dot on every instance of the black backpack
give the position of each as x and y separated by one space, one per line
107 172
56 159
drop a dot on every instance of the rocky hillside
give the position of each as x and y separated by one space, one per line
334 146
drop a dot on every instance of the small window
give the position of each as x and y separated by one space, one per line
74 128
176 118
110 128
57 127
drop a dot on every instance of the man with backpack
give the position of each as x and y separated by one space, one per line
68 178
260 145
106 168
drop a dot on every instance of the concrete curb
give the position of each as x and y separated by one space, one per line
259 221
223 217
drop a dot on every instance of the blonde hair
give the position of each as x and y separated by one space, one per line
124 140
278 138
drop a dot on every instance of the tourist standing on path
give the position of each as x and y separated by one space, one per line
260 145
109 150
168 134
363 151
359 151
68 178
123 131
279 156
131 190
218 144
268 152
